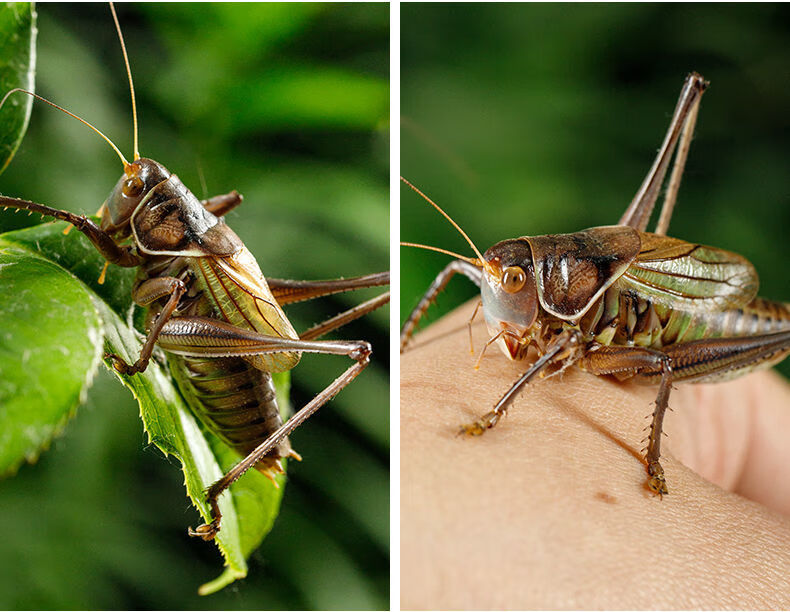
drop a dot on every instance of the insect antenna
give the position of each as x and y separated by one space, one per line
70 114
471 260
131 82
480 262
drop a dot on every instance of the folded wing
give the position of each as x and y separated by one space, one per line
689 276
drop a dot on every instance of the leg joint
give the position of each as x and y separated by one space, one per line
362 352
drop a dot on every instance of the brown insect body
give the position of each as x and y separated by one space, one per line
622 301
614 284
211 310
234 397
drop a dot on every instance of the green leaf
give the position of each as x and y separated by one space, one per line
173 429
17 68
37 253
49 352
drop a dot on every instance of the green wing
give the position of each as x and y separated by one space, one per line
689 276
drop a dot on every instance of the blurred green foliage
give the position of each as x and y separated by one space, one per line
288 103
525 119
17 68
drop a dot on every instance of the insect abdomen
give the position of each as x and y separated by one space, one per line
625 318
759 317
622 318
234 397
233 400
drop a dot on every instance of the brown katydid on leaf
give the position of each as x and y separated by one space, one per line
327 206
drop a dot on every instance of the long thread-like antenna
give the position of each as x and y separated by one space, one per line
131 82
482 262
70 114
471 260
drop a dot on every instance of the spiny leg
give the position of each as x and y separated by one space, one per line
702 358
637 215
112 252
145 294
657 483
204 337
630 360
671 195
345 317
563 346
437 286
708 357
290 291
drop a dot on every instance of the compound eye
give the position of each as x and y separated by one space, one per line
513 279
132 187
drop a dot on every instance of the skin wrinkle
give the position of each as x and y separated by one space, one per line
516 518
718 458
750 438
768 458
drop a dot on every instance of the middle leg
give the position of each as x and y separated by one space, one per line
220 205
147 293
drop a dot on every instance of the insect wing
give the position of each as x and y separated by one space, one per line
690 276
241 293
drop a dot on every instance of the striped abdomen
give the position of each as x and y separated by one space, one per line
233 396
236 401
622 318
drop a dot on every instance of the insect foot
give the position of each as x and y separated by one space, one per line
480 425
120 365
362 353
657 483
207 532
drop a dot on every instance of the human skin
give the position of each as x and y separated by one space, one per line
549 509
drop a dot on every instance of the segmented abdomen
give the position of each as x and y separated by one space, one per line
759 317
624 319
235 401
234 397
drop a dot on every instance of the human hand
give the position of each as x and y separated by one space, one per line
549 509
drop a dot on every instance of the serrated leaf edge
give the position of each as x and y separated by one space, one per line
96 336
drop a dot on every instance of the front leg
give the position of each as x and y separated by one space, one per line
563 347
144 294
119 255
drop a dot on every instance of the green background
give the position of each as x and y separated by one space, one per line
289 105
527 119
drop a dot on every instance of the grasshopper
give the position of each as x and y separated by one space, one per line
621 301
210 309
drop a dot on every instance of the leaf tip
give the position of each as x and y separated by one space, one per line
220 582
